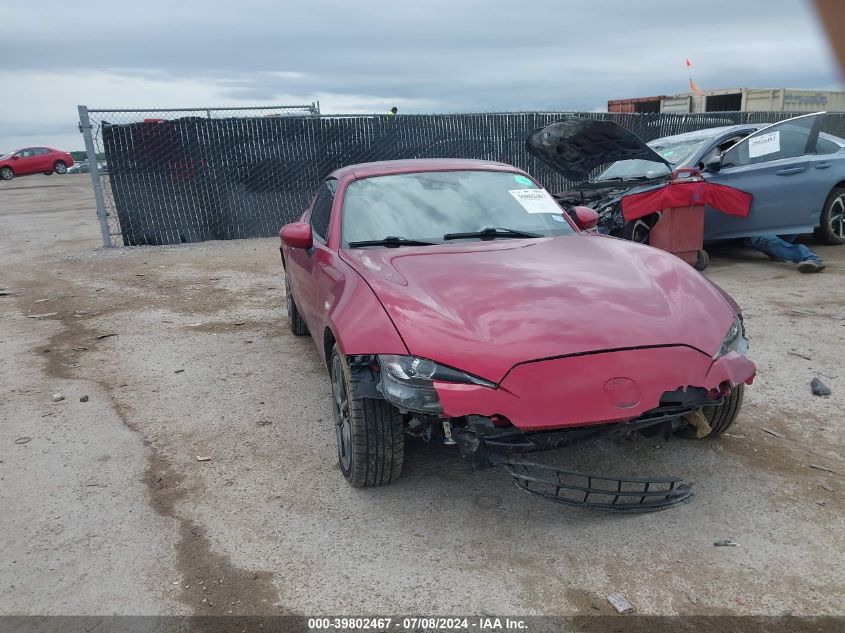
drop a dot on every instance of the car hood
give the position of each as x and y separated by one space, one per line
575 146
484 307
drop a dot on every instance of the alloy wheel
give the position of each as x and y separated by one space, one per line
837 217
640 231
6 173
61 168
343 426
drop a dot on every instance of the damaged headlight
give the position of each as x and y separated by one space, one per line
408 382
735 340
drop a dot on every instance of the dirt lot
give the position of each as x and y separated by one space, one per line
184 352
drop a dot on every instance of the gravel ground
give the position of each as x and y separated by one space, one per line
184 352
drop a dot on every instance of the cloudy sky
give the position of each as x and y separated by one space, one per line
367 55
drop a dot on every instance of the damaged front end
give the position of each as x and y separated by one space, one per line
411 384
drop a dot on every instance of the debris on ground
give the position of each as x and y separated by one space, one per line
203 458
41 316
800 354
57 397
828 488
771 432
620 603
179 371
83 398
824 468
23 440
725 543
698 420
80 349
819 388
102 336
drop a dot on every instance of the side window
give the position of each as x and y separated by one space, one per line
322 212
788 139
826 146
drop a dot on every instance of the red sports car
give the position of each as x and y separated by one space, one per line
455 299
34 160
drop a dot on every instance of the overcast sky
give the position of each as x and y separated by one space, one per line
367 55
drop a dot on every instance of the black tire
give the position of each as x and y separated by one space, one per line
295 320
831 229
370 433
60 168
639 230
720 417
702 260
48 173
6 173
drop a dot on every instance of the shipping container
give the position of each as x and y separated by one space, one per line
755 100
637 104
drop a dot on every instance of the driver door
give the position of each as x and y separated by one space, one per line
773 165
307 264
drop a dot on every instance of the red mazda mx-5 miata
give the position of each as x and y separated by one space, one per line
455 299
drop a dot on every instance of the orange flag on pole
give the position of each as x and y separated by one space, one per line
692 85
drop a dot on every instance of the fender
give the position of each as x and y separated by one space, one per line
357 320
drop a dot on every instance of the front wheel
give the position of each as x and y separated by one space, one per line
6 173
48 173
720 417
638 230
60 168
831 229
370 432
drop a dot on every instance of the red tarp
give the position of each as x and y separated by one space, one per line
685 194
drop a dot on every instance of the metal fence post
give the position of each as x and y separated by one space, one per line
85 128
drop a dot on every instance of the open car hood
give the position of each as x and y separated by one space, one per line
575 146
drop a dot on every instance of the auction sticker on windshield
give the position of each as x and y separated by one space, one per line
764 144
535 200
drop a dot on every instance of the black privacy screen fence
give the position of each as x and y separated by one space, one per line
240 174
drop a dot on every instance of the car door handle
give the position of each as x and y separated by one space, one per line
822 165
790 170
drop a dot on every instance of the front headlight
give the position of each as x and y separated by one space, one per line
408 382
735 340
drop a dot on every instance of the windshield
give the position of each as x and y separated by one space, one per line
427 206
676 153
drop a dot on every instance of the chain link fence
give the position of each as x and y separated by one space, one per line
175 176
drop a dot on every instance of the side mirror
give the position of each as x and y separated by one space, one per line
297 235
15 157
585 218
714 164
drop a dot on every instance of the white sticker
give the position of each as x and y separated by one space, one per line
536 200
764 144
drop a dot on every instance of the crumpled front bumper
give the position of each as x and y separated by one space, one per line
594 388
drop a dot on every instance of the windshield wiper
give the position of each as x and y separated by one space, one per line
491 233
621 179
391 241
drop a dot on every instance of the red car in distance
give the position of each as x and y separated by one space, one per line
455 299
34 160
